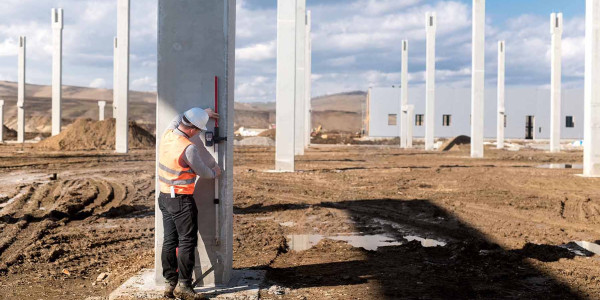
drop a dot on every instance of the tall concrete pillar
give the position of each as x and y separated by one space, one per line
21 91
101 106
404 97
411 126
501 98
122 122
300 74
196 43
57 34
1 121
286 85
431 25
591 146
556 29
308 80
115 76
478 79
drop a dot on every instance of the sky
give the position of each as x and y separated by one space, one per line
356 43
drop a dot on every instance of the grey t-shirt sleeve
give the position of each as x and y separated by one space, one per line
194 160
175 122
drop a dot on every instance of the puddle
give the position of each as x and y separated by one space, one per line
302 242
561 166
427 243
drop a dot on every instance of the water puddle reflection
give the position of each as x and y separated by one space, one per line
302 242
561 166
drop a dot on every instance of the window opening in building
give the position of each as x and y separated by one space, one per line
529 127
419 120
570 122
392 120
447 120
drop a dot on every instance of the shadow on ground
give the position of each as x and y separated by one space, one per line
468 267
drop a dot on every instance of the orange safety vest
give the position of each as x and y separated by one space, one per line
170 172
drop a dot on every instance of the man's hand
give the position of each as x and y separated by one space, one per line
217 171
212 114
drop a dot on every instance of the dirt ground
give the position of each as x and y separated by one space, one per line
502 221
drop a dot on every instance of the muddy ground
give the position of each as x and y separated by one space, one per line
502 222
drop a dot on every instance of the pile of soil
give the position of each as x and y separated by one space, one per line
271 133
8 133
456 143
256 141
87 134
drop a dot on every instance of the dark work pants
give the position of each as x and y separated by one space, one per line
181 230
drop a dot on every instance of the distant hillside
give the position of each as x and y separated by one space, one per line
339 112
9 90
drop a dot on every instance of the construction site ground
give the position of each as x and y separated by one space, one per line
352 223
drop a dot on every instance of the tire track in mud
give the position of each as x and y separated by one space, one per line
34 222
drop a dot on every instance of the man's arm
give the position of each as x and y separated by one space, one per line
194 160
175 122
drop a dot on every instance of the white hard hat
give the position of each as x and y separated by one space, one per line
197 117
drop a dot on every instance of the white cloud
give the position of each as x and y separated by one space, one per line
257 52
146 83
98 83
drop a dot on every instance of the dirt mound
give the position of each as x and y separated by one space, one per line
271 133
256 141
456 143
87 134
8 133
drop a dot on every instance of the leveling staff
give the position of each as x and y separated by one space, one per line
180 162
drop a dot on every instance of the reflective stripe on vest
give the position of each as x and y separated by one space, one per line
170 172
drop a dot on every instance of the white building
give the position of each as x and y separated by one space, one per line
527 112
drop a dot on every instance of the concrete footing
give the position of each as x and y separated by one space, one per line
244 284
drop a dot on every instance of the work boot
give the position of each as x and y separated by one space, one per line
186 292
169 290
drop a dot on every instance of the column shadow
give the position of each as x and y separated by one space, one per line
470 266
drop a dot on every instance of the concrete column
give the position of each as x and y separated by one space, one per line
57 33
101 106
478 79
431 25
187 28
501 108
115 76
286 85
404 97
556 29
308 81
122 124
1 121
21 91
411 125
591 152
300 74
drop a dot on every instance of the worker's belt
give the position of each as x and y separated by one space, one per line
169 170
176 182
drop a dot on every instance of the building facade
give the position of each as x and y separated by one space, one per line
527 112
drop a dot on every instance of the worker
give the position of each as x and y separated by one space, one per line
180 162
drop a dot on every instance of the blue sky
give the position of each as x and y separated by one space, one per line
355 42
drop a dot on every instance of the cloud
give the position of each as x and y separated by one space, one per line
98 83
356 44
257 52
